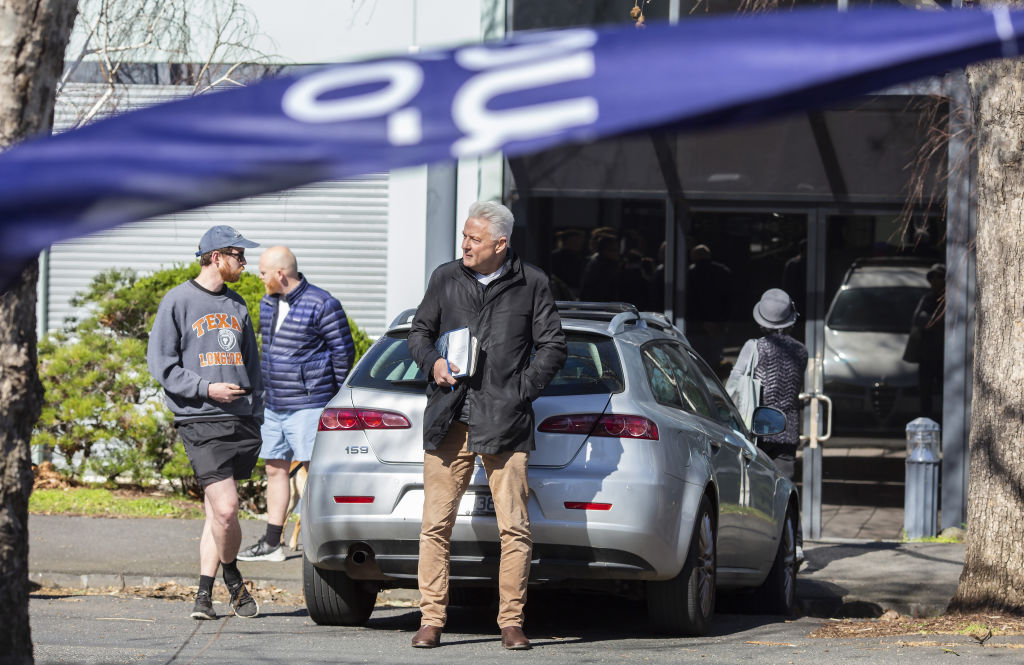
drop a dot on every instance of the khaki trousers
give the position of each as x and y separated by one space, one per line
446 474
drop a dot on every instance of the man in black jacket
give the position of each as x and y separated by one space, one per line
507 306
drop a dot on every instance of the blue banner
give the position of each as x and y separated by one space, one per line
531 92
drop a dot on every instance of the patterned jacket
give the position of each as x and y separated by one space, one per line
307 359
781 363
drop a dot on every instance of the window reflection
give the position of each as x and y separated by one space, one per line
877 276
599 250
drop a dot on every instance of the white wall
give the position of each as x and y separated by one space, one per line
312 31
407 212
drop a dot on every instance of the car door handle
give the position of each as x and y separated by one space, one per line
748 455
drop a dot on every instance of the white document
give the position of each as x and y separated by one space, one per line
459 348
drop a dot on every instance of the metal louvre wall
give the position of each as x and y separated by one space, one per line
338 231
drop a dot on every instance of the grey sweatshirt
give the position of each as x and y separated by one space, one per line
199 338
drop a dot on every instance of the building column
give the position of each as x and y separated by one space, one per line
961 229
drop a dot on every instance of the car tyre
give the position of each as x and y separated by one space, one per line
685 604
335 599
777 595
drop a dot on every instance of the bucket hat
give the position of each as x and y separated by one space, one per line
775 310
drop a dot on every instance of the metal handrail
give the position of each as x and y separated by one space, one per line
813 438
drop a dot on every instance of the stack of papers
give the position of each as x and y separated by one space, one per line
460 349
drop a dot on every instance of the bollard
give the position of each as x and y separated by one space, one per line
921 498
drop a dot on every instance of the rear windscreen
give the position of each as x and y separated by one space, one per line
388 366
592 367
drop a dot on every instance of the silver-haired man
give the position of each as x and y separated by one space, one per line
508 307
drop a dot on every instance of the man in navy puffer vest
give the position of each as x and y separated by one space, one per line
307 352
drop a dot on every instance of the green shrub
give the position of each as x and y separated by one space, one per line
99 390
127 304
178 471
360 340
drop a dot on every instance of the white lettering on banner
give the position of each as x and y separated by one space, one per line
403 80
531 65
559 59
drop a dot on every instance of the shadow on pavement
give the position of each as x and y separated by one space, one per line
561 617
820 556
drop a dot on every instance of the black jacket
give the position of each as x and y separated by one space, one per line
511 316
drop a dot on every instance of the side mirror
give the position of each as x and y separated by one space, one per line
767 420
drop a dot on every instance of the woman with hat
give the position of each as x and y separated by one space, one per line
778 362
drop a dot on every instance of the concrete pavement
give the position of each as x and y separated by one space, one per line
842 577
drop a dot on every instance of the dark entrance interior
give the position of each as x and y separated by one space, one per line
836 207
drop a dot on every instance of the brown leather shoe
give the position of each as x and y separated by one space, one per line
513 637
427 637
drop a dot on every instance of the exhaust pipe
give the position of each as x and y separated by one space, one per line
360 554
362 563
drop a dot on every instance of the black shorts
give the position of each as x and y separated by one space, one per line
221 449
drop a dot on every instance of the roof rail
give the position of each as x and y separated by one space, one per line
584 306
617 314
403 319
619 321
662 323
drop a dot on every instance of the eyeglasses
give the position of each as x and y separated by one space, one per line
239 256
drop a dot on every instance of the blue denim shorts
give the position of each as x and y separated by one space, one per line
289 435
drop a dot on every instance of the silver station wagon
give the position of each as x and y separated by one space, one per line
644 481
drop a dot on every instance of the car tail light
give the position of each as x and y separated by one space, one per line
587 505
357 419
595 424
353 499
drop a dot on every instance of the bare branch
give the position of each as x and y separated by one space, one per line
199 43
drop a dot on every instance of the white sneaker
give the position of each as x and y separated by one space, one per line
260 551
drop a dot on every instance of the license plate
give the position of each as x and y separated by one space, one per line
477 503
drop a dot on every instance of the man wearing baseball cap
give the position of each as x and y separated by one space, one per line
203 351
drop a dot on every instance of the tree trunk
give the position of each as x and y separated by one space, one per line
33 36
993 574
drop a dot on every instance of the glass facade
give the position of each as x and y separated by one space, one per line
843 207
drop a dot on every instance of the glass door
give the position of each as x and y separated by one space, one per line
870 274
873 275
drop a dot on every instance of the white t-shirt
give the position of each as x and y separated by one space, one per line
282 312
487 279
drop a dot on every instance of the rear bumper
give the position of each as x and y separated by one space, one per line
637 539
396 560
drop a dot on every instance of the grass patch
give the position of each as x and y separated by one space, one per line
100 502
974 628
935 539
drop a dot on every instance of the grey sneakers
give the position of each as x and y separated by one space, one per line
203 609
243 603
260 551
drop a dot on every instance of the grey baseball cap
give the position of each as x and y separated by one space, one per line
219 237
